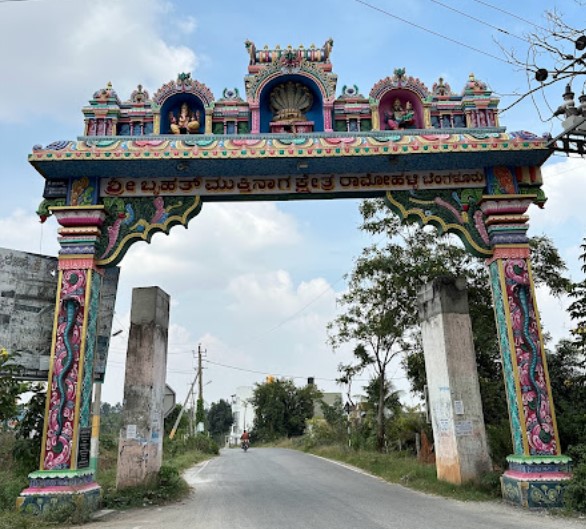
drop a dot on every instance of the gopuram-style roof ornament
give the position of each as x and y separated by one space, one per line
474 86
441 89
139 96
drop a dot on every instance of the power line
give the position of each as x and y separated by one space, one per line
480 21
459 43
236 368
510 14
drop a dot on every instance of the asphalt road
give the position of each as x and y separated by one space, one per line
284 489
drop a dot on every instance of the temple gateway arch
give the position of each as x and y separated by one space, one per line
151 162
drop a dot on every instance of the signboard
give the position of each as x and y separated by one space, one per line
28 289
168 400
84 449
298 184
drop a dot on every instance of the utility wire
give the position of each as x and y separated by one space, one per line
236 368
459 43
510 14
480 21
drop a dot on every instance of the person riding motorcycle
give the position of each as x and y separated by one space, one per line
245 439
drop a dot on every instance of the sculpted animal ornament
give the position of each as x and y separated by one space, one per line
251 51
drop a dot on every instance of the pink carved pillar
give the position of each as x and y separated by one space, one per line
328 109
254 118
65 473
537 470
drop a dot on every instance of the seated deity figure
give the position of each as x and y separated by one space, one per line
183 119
173 124
186 123
193 124
399 117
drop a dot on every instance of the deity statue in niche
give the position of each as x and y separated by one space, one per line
187 122
400 117
288 103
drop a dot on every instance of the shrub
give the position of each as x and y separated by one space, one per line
575 495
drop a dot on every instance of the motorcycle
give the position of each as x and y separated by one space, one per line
245 444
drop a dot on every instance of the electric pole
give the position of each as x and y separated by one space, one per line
200 414
200 373
174 430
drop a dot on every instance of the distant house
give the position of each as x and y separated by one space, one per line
243 413
330 399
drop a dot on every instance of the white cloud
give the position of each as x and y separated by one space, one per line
23 231
187 25
115 41
223 240
564 184
555 319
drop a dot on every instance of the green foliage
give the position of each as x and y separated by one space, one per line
29 431
500 442
10 387
577 308
200 414
168 485
220 419
110 419
568 386
406 470
416 255
575 495
182 427
282 409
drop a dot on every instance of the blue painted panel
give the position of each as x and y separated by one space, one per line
315 114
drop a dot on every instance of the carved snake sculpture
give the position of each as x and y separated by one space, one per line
71 313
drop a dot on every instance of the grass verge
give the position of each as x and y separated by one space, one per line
406 470
166 487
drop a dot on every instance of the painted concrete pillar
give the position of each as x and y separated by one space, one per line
140 450
65 473
461 448
537 470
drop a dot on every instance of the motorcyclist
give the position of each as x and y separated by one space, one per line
245 439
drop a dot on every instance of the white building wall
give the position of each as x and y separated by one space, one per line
243 413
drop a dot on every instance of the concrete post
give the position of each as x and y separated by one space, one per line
454 392
140 450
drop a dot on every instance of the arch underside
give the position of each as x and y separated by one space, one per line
131 220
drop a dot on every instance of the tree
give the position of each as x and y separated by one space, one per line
29 431
380 307
577 309
554 56
281 408
10 387
219 419
568 385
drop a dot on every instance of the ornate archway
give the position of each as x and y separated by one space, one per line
108 191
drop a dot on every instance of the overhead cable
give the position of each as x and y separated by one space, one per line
445 37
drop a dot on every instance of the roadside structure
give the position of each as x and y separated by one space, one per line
436 156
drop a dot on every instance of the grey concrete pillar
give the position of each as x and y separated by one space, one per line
452 378
140 450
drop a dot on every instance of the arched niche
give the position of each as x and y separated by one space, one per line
315 114
173 105
410 105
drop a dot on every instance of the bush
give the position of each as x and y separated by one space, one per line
168 486
575 495
500 443
201 442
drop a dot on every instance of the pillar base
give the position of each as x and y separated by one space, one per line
54 489
536 482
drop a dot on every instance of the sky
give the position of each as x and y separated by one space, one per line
255 284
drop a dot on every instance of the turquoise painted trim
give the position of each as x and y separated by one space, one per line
48 474
539 460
